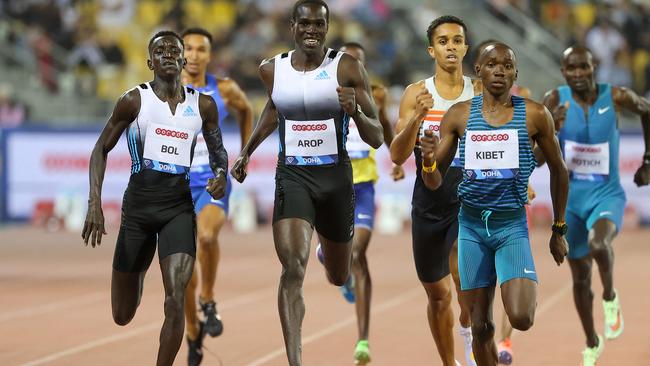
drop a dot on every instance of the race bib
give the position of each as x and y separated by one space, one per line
587 161
435 127
491 154
310 142
356 147
168 146
201 158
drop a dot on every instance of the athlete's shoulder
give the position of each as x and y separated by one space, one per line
460 107
535 110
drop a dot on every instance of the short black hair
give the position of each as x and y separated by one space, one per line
165 33
299 3
197 30
353 44
444 20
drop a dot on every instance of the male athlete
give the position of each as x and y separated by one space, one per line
162 119
586 116
210 213
364 176
496 132
435 213
313 92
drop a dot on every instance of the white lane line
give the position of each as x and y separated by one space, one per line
150 327
377 309
46 308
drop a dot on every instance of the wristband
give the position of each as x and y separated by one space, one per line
431 168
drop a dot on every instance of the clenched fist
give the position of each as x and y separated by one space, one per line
347 99
423 101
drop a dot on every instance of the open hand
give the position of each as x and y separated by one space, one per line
94 225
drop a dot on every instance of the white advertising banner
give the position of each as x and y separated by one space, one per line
39 165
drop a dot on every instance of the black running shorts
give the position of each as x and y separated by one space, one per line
321 195
432 243
150 216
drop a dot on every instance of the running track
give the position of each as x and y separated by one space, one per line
55 307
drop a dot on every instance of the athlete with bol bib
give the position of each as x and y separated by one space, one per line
313 93
496 132
162 119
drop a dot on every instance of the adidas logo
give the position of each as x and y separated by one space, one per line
322 76
189 112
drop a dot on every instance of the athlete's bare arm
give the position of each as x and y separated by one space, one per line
441 151
237 102
379 95
540 127
558 112
628 99
416 102
355 90
217 154
266 124
125 111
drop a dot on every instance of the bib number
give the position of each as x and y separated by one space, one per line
310 142
587 161
167 147
491 154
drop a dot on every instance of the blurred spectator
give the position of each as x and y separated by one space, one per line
42 47
84 60
115 14
12 113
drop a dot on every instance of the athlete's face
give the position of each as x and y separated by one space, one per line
197 53
578 69
310 27
497 68
166 56
449 45
355 52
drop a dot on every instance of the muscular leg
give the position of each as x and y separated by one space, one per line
209 223
191 317
338 258
363 284
506 328
441 318
292 239
601 236
464 318
480 303
126 292
176 273
583 296
519 297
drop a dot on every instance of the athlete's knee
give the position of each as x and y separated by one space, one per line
599 247
483 331
439 295
358 256
207 239
174 306
122 317
294 270
522 320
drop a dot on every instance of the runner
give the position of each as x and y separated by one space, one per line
313 93
495 131
586 116
435 213
210 213
161 119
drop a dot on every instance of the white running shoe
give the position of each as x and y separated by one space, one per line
466 333
613 318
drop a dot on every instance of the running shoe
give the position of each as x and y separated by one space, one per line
613 318
213 324
195 351
590 355
505 352
362 353
466 333
348 290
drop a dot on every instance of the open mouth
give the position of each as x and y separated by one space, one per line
452 58
311 42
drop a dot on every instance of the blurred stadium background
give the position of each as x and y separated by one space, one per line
64 63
